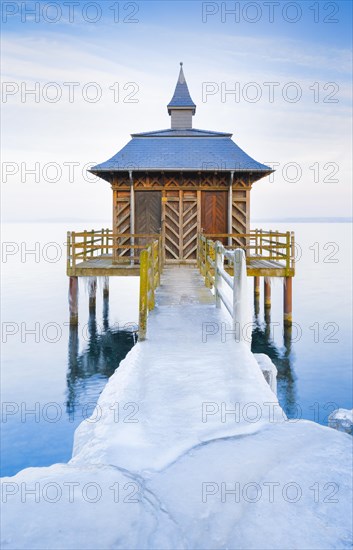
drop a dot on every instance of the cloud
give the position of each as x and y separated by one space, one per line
148 55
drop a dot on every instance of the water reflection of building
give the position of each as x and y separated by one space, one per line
89 370
262 342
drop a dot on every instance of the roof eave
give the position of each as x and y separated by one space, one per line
99 172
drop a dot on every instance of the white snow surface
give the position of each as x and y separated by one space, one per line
173 465
343 414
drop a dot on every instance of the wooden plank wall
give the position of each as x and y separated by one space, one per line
181 208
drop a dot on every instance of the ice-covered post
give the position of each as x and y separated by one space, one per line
217 276
241 312
143 295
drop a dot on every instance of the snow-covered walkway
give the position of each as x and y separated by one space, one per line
188 448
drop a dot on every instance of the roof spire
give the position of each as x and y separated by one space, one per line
181 107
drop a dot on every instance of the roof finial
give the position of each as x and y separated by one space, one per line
181 107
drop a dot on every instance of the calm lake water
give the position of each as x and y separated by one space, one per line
52 376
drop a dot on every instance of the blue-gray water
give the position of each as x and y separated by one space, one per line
51 376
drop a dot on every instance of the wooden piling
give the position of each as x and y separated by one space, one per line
267 300
257 296
106 287
92 292
256 286
267 292
73 300
287 301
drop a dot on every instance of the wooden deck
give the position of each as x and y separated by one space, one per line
260 267
104 254
103 266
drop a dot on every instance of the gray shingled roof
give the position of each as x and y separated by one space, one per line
181 97
181 150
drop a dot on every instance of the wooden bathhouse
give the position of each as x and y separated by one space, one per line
181 181
184 187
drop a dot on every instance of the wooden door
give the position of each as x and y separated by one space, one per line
148 213
214 209
181 226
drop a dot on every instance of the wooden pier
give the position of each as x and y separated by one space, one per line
178 196
105 254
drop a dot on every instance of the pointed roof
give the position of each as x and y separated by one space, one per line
181 98
185 150
180 148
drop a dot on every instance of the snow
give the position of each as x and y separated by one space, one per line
342 420
269 370
173 389
188 416
343 414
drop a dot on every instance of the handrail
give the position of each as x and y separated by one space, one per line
270 245
237 307
150 274
85 245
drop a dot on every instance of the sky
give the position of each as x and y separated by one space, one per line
80 77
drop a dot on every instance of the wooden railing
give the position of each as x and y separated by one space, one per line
151 265
257 244
236 300
122 248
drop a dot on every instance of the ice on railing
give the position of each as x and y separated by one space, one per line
241 307
238 305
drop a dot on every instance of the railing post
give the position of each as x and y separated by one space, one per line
204 253
256 243
155 264
73 248
207 265
92 242
143 295
68 250
217 276
150 297
159 251
288 250
240 317
201 253
260 242
292 251
114 247
85 245
107 241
